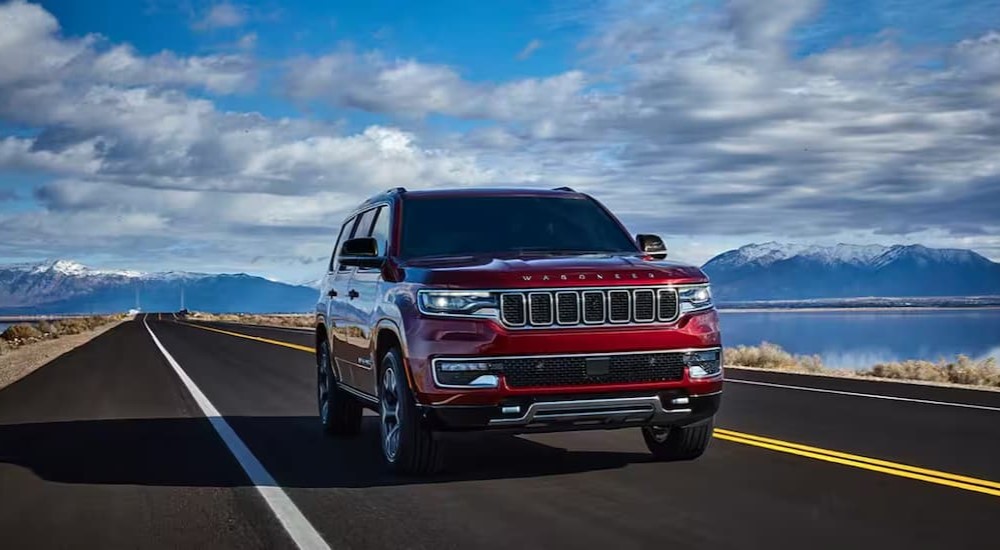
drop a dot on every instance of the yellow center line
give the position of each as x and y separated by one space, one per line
864 463
826 455
255 338
865 459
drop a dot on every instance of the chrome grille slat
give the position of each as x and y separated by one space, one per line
540 308
666 301
512 309
619 306
593 307
643 306
588 307
567 308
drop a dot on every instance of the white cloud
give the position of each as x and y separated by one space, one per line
529 49
220 16
703 126
372 82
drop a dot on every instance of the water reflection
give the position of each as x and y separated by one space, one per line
849 339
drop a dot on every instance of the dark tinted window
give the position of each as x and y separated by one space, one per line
381 230
361 228
365 224
469 225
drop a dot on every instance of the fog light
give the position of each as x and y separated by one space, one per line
456 366
703 364
470 374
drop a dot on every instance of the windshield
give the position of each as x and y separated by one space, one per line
476 225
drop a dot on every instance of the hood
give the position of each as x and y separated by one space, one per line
563 271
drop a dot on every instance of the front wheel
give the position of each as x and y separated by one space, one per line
408 446
678 442
339 413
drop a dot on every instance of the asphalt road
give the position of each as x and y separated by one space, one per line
106 447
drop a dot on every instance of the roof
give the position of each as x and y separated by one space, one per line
474 192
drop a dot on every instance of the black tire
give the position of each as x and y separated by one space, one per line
408 445
678 443
339 412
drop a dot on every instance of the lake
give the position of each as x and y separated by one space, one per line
852 339
3 327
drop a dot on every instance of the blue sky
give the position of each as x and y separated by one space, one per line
224 136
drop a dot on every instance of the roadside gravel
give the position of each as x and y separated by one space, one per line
17 363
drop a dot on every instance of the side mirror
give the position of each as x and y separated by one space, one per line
361 252
652 245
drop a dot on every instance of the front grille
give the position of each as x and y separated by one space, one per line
572 370
545 308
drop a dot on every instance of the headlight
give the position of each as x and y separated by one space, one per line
694 298
457 302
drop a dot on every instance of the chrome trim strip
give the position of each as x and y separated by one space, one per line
706 394
583 409
557 355
358 393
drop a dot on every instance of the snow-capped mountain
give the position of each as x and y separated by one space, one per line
68 287
777 271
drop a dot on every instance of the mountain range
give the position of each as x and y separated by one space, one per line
68 287
777 271
755 272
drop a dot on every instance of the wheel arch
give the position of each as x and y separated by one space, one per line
387 336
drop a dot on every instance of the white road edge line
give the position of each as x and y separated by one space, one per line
868 395
296 525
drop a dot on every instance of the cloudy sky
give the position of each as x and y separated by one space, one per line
233 137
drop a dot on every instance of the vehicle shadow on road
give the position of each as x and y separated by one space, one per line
188 452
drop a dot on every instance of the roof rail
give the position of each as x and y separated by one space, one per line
567 189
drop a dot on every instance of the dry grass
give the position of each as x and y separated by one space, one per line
962 370
772 356
275 320
23 334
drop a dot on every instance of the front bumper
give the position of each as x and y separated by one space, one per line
434 338
544 413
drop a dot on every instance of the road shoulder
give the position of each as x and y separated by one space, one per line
20 362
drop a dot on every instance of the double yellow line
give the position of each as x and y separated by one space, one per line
936 477
255 338
865 463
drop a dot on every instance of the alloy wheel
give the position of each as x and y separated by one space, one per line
390 427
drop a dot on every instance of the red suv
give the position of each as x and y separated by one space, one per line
517 310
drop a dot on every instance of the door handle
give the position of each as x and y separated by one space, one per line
352 294
331 293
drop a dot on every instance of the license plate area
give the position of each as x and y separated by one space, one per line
598 366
